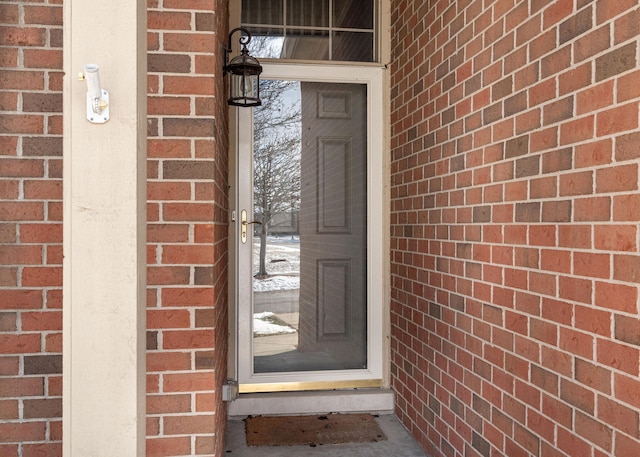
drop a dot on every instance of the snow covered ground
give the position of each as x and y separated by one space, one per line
283 266
262 326
276 283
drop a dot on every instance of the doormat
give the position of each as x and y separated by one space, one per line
312 430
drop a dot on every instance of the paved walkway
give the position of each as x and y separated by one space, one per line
399 443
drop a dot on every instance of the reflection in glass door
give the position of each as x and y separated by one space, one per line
309 228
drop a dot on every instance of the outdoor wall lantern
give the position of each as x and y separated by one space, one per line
244 83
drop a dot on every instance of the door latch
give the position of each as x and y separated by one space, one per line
244 223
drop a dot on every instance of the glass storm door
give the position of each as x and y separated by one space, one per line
303 301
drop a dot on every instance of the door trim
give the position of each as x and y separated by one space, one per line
376 375
302 386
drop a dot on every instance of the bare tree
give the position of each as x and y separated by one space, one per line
276 157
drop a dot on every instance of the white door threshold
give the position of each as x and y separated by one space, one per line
375 401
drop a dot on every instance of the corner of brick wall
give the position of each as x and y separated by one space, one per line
30 229
515 217
187 228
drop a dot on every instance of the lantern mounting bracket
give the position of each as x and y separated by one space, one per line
228 49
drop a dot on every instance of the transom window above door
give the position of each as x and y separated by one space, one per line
320 30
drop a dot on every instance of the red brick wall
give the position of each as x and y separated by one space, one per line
514 212
187 230
30 229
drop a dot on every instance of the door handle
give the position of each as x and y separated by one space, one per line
244 224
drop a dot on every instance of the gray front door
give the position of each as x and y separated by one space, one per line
333 223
